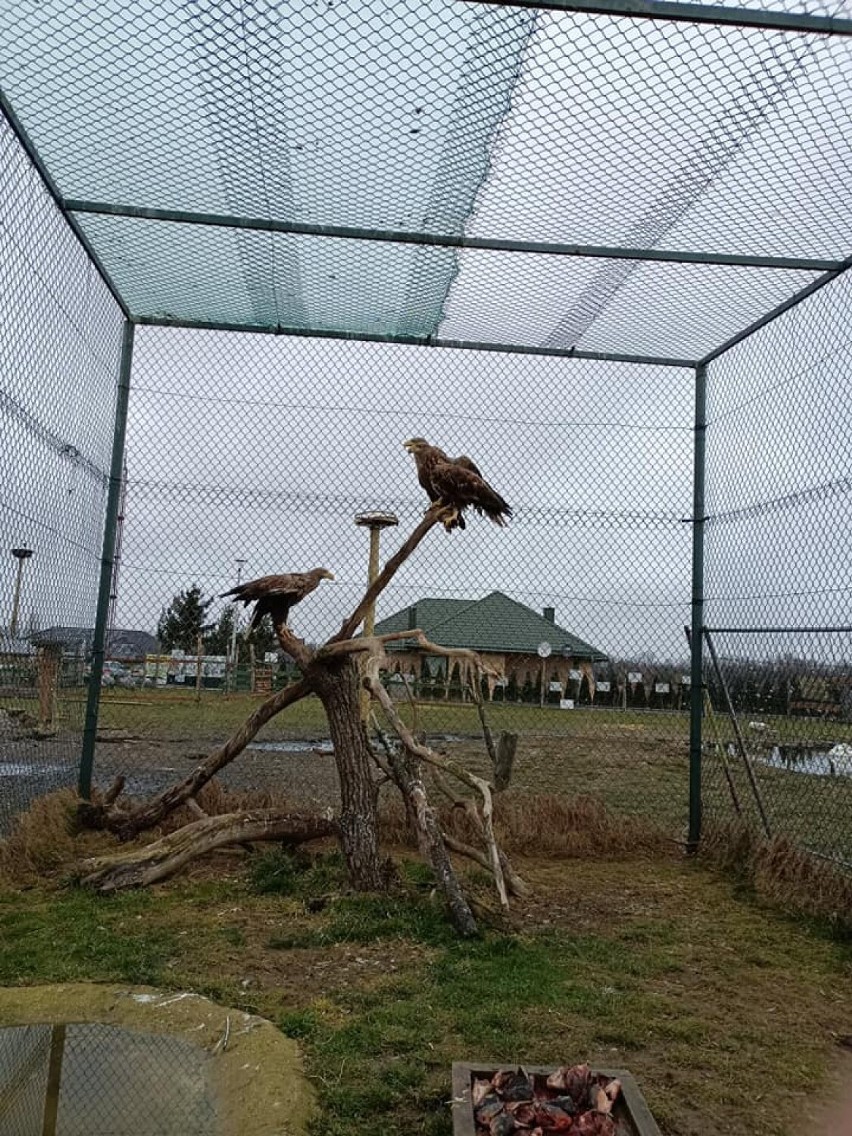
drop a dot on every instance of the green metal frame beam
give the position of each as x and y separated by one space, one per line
93 697
32 153
414 341
696 641
692 14
446 240
779 310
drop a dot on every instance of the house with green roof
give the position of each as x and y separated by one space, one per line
507 635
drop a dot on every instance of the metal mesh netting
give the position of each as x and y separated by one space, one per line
450 119
59 347
628 189
778 574
257 453
85 1079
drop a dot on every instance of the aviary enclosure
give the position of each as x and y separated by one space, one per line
249 249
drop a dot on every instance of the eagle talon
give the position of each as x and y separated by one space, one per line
449 517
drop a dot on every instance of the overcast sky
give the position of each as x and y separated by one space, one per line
242 446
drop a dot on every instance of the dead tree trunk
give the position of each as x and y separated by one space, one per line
336 682
431 841
504 760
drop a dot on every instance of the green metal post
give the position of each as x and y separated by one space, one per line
696 705
87 756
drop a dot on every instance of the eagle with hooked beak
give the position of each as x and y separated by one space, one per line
455 483
275 595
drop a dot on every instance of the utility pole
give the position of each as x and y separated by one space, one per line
20 554
375 522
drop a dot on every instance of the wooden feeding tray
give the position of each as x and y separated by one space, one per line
630 1114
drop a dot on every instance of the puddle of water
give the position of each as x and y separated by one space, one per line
32 769
111 1082
833 762
325 746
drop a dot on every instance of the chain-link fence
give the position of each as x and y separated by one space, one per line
60 338
778 583
301 436
91 1079
388 189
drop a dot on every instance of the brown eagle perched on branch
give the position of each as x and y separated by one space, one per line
275 595
455 483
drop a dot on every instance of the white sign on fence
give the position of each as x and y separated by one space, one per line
661 688
575 676
555 688
566 703
634 676
604 687
270 657
686 680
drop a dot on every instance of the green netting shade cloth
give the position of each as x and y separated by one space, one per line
450 119
331 112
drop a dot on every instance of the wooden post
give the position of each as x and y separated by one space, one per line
543 662
507 744
48 659
375 522
198 666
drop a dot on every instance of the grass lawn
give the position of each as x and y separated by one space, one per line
637 762
724 1011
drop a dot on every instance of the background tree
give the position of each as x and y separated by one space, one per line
218 640
264 638
183 621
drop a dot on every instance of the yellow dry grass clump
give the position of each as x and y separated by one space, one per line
781 872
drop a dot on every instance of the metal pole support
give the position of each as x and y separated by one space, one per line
93 698
696 706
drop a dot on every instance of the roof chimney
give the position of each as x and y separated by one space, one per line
550 614
412 617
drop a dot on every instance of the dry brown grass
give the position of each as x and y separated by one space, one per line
46 840
540 825
782 873
42 840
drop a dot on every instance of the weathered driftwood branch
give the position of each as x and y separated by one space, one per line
424 753
364 644
514 883
293 646
504 760
127 824
430 840
154 862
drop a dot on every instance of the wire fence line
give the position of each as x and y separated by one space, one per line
251 454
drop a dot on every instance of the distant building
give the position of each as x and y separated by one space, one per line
121 644
17 645
505 633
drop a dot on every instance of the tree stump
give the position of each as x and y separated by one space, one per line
507 744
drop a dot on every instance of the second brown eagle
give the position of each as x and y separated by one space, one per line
456 483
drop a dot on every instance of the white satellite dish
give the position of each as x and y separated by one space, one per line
544 649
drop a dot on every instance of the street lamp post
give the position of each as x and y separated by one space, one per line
375 522
20 554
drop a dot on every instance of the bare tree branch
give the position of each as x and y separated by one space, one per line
127 824
368 643
423 752
351 625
